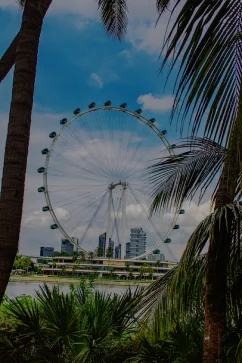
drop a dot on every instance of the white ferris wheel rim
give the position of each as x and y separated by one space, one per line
134 114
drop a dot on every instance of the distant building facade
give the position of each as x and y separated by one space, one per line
117 253
137 244
76 241
156 257
67 246
102 243
47 251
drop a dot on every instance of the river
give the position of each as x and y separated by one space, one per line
28 288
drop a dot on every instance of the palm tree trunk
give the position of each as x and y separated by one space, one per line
16 150
218 256
8 59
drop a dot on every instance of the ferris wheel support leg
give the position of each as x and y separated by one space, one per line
108 219
123 237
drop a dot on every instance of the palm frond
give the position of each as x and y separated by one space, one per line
176 179
205 40
59 313
162 5
181 291
27 313
114 17
21 3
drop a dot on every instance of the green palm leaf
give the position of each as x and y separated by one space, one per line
181 291
177 178
114 17
205 41
59 312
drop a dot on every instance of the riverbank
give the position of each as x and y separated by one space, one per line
72 280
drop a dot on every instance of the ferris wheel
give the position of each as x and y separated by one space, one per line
93 178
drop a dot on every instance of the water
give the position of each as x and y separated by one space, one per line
29 288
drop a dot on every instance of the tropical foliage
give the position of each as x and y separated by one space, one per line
84 325
204 41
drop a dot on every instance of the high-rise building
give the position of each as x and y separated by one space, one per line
117 251
156 257
67 246
76 241
127 250
47 251
137 244
102 243
111 245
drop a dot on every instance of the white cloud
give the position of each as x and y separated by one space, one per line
155 103
142 32
81 24
126 54
95 77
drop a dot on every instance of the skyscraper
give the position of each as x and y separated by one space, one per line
67 246
102 243
118 251
137 244
47 251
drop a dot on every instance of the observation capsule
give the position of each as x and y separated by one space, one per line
139 111
41 189
92 105
182 211
107 104
45 209
156 252
173 146
176 226
54 226
41 170
52 135
167 240
123 105
152 120
44 151
164 132
63 121
77 111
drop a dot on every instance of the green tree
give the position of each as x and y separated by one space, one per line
82 257
75 256
90 256
109 252
99 252
205 40
157 265
114 18
142 271
84 325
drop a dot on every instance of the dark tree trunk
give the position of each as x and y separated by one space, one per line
216 288
8 59
16 150
218 256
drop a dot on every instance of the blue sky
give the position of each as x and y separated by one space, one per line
79 64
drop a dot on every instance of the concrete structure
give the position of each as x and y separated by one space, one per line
137 244
67 246
117 268
47 251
